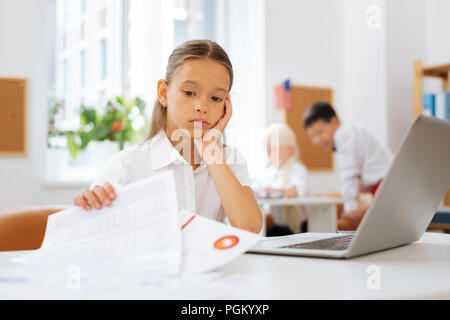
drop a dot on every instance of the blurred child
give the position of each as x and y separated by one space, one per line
284 176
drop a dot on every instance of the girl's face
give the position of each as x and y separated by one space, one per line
195 96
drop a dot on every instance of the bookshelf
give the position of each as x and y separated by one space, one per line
420 72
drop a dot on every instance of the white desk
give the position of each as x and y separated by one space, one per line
322 214
417 271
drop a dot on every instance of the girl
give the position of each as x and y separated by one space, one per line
285 176
189 117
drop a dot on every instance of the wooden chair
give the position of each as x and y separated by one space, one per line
23 228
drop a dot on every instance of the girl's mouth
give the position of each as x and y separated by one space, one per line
200 123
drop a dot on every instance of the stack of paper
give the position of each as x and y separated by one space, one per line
142 232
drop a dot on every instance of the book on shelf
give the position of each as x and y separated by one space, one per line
437 105
429 104
442 105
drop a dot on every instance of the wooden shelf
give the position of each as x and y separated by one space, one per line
439 71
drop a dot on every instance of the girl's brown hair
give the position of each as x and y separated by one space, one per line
190 50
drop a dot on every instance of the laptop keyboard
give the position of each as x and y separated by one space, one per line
334 243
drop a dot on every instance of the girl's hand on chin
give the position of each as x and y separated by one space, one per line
222 123
213 135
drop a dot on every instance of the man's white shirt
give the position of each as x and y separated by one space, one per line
362 162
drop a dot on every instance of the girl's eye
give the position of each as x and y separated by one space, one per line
188 93
216 99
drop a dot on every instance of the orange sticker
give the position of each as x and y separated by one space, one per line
226 242
187 222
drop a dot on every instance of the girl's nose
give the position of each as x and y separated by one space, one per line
201 106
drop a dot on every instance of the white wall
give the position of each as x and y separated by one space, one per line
24 53
244 42
304 43
437 32
437 38
405 42
365 66
147 60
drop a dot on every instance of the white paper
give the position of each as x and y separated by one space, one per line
141 229
140 246
208 244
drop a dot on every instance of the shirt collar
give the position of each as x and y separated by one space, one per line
163 153
337 137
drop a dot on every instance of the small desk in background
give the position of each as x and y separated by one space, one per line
322 212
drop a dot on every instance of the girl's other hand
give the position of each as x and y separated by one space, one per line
97 197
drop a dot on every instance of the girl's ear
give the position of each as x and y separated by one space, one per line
162 92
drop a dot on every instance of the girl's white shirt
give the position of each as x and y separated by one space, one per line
293 173
196 191
362 162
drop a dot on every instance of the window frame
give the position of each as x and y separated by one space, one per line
80 172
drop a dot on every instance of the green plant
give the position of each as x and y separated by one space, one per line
55 107
119 122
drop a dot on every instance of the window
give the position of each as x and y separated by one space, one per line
106 48
83 68
65 71
102 18
103 59
86 63
82 31
194 19
87 66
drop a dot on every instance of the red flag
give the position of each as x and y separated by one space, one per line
284 96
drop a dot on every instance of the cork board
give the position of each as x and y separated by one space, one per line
13 117
313 157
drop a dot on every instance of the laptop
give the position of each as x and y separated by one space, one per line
402 209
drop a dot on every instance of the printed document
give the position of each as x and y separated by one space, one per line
208 244
141 227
